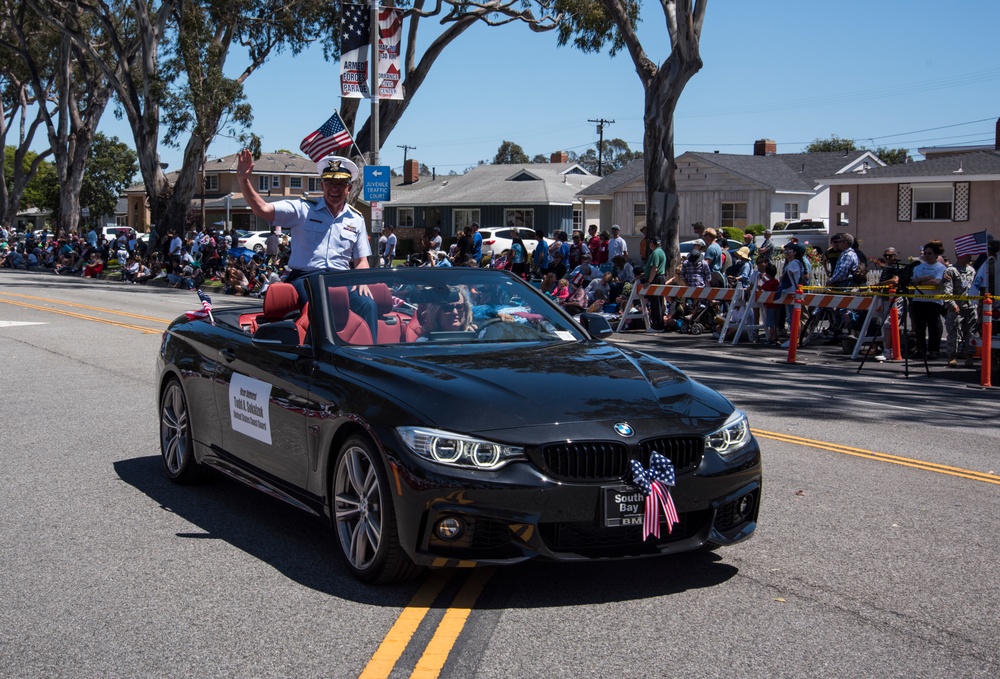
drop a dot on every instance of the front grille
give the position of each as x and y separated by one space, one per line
598 460
595 541
610 461
684 451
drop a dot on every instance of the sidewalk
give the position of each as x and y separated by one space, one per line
815 355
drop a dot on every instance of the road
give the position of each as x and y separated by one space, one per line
875 554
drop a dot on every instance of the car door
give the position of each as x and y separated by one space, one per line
263 400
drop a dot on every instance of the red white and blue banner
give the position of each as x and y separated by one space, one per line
390 41
355 42
355 47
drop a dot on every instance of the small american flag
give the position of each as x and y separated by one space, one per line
331 136
971 244
204 312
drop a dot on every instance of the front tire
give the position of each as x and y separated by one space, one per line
176 444
364 518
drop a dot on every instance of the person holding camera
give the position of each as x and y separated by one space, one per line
897 276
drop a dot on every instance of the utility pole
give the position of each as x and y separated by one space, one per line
405 149
601 122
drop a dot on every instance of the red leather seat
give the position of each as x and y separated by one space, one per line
281 301
349 326
390 325
412 331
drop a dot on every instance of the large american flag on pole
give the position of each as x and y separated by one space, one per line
971 244
331 136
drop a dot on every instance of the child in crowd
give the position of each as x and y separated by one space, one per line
769 282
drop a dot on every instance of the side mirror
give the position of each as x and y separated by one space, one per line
596 324
283 336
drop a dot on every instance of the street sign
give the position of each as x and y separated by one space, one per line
377 182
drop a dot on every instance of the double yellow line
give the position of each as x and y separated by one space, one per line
5 297
881 457
436 653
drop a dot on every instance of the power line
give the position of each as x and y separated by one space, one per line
600 122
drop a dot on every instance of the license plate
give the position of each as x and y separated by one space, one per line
623 506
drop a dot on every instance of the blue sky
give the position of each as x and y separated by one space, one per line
896 73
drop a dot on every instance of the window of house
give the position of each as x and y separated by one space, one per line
734 214
577 219
791 211
519 217
121 220
933 201
638 217
212 182
295 182
314 184
463 218
404 216
844 198
275 181
264 182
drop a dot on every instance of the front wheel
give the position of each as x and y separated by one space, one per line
364 518
176 444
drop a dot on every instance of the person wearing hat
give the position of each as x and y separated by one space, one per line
792 276
655 273
329 234
699 229
713 252
749 242
617 247
739 272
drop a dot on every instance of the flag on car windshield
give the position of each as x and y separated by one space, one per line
204 312
331 136
971 244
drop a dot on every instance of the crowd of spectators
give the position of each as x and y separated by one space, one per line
184 260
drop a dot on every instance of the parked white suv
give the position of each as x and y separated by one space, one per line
500 239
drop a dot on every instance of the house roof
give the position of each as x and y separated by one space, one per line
975 166
268 163
633 170
798 172
531 183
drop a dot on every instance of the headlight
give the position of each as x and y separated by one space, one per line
732 436
456 450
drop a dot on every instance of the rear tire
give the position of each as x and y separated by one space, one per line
176 443
364 517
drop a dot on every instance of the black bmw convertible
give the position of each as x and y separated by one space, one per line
471 420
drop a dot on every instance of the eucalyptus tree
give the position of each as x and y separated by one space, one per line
590 25
21 115
171 59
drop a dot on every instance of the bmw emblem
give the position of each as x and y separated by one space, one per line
624 429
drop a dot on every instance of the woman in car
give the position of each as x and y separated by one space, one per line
453 316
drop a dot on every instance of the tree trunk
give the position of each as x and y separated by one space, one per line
662 92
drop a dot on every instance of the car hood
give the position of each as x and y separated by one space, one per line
583 383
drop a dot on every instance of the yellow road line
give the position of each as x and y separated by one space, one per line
395 642
881 457
432 661
85 306
148 331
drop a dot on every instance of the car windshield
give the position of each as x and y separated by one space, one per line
429 305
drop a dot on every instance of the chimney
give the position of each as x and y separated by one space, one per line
765 147
563 157
411 171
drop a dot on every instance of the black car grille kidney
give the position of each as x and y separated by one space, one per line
608 461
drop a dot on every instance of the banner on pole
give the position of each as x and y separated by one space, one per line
390 39
355 47
355 42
